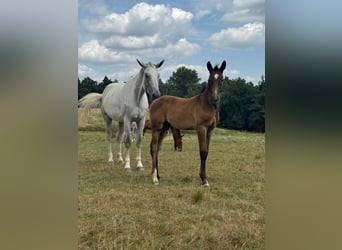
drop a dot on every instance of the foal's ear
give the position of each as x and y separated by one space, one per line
223 66
142 64
209 67
159 64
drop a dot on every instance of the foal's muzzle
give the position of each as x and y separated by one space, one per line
215 100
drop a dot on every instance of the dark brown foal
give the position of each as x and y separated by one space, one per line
198 113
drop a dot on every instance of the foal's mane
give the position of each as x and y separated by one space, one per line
216 68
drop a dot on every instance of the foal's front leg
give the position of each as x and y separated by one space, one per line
203 141
154 155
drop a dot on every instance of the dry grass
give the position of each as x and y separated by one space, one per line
119 210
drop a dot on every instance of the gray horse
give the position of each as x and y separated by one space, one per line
126 103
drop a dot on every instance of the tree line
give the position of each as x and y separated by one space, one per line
242 105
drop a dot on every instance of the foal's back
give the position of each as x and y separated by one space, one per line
181 113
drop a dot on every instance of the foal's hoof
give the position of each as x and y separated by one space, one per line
206 185
111 162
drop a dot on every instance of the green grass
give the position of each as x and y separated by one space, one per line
120 210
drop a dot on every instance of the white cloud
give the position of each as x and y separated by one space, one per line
93 51
244 15
246 11
202 13
234 73
95 7
156 31
182 48
243 37
84 70
203 7
144 20
242 4
133 42
250 79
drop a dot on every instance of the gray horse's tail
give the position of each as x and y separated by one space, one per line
92 100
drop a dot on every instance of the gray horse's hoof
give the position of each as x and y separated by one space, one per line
140 168
127 170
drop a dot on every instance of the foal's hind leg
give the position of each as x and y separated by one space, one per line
154 154
157 138
109 132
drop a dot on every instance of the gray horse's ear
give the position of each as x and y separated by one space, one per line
223 66
159 64
142 64
209 67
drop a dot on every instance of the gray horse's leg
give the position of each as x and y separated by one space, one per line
128 142
109 132
119 140
140 128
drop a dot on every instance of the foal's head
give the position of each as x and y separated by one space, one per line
151 78
215 82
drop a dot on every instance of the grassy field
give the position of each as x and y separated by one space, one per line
120 210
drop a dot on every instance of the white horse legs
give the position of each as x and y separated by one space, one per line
110 154
119 155
140 166
109 132
123 135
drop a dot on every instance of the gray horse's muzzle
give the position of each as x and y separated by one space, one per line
155 95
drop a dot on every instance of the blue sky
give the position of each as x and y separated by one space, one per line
112 34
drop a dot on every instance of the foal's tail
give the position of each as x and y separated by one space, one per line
92 100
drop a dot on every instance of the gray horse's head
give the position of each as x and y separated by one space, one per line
151 78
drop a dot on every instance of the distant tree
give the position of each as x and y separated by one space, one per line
242 105
183 83
163 88
86 86
256 119
102 85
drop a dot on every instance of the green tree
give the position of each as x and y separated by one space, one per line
242 105
256 118
86 86
102 85
183 83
